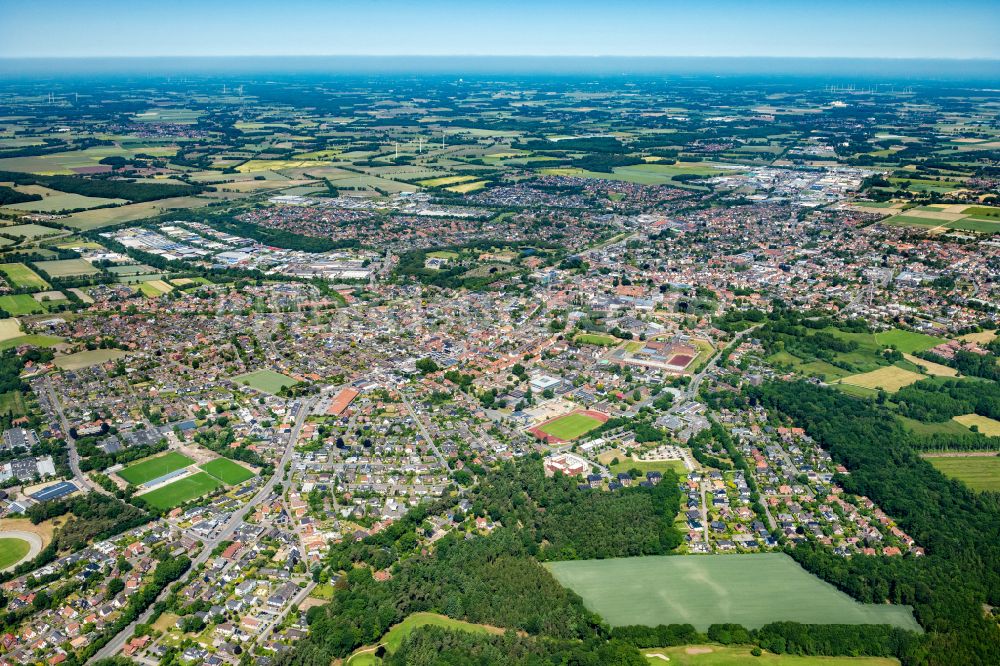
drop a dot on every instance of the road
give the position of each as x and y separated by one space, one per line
423 431
74 457
235 521
299 598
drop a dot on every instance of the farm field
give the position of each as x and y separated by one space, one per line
267 381
227 471
727 655
394 637
950 427
102 217
571 426
987 426
22 276
21 304
64 163
464 188
33 339
154 288
10 328
55 201
978 472
446 180
889 378
751 590
30 231
12 550
85 359
180 491
153 468
907 341
67 267
933 369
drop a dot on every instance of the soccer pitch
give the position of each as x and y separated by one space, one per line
180 491
751 590
152 468
570 426
227 471
267 381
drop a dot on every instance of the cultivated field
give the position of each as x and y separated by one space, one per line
35 340
180 491
153 468
933 369
67 267
977 472
889 378
227 471
21 304
267 381
10 328
987 426
719 655
29 231
571 426
22 276
751 590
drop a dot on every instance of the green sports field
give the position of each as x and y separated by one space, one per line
751 590
978 472
180 491
152 468
570 426
227 471
267 381
12 550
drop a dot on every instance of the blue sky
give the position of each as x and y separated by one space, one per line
847 28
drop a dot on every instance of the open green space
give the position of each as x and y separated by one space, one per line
751 590
393 638
22 304
907 341
627 464
597 339
227 471
180 491
730 655
22 276
570 426
267 381
977 472
30 339
29 231
12 550
155 467
85 359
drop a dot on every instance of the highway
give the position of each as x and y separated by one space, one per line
235 521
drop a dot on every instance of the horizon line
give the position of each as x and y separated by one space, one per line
510 55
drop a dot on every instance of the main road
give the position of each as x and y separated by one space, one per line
235 521
74 458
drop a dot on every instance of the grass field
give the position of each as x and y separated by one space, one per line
154 288
931 368
751 590
227 471
267 381
446 180
29 231
12 550
987 426
464 188
67 267
571 426
950 427
180 491
597 339
20 304
152 468
626 464
22 276
394 637
907 341
36 340
719 655
977 472
889 378
85 359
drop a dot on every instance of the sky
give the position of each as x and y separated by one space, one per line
726 28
